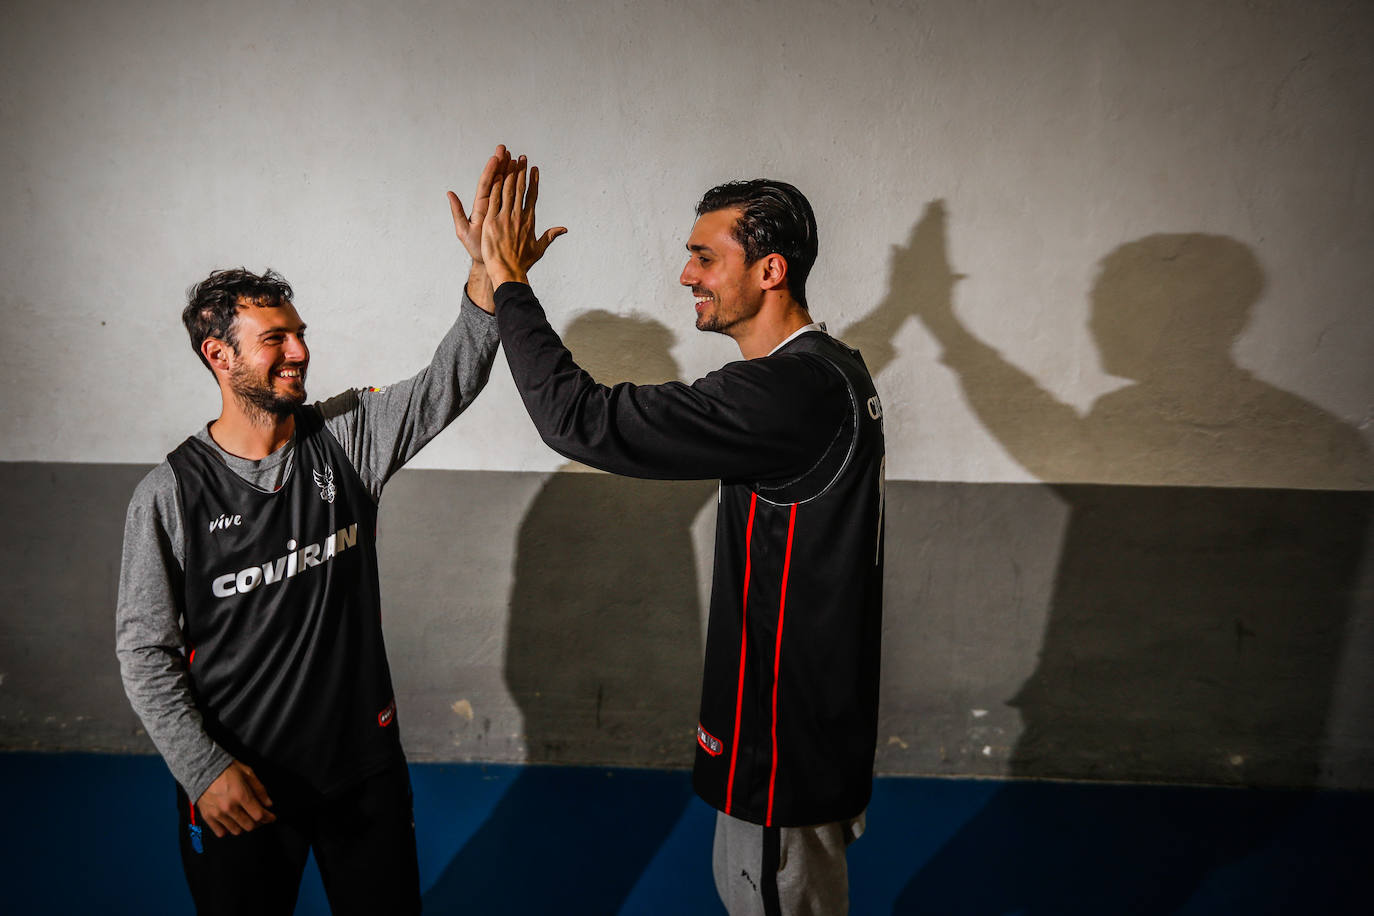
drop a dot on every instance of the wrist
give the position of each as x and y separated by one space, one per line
479 289
506 273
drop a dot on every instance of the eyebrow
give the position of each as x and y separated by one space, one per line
282 329
701 248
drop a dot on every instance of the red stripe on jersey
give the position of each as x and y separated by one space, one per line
777 662
192 806
743 643
191 659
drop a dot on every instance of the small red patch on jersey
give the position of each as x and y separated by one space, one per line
709 742
386 715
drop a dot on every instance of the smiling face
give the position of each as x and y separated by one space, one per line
269 358
728 291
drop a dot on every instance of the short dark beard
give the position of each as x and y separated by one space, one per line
716 323
258 400
709 324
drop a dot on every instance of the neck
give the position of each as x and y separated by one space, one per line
774 323
248 432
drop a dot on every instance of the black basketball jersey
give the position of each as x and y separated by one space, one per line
790 692
282 615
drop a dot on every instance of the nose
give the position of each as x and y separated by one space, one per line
689 274
295 348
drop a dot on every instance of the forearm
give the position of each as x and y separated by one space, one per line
383 428
1047 436
572 413
149 641
437 394
157 684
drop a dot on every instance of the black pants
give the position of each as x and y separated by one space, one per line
363 838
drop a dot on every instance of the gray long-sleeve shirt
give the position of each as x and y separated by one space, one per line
380 429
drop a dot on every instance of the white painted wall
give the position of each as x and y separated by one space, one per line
145 143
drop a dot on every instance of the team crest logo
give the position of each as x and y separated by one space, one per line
325 482
385 717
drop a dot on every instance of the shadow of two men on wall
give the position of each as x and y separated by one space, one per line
1208 571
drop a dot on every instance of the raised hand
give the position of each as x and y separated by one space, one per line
923 272
510 246
469 228
920 285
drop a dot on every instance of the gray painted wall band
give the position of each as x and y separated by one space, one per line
1103 632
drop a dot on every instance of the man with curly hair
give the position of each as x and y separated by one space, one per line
249 617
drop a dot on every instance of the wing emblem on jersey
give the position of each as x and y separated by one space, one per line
325 482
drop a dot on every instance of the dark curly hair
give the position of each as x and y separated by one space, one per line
213 303
776 219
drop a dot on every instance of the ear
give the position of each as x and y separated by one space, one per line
217 353
773 273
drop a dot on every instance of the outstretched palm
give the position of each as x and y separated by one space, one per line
510 245
467 227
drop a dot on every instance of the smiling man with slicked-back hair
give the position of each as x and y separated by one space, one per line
789 699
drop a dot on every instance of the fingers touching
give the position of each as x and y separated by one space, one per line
499 231
468 226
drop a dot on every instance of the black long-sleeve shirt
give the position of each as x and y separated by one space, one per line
790 690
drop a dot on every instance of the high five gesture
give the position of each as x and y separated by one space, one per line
468 227
509 243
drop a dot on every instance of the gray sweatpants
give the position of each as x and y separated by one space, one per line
783 871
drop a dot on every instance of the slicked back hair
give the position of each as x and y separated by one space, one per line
776 218
213 303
